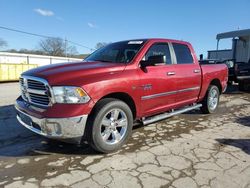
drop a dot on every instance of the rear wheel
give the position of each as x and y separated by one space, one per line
211 101
110 125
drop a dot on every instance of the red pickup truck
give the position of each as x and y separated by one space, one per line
98 100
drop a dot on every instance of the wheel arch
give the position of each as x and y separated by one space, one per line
217 83
125 97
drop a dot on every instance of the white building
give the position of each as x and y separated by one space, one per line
18 58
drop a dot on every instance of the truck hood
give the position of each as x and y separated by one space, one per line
68 73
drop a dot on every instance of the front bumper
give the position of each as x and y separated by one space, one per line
69 129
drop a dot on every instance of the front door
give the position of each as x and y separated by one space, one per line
157 83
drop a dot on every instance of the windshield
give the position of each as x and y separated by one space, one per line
119 52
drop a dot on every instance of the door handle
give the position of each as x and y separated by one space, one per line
170 73
197 71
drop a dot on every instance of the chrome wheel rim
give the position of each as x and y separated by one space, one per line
114 126
213 99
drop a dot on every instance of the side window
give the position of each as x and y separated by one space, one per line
157 50
183 54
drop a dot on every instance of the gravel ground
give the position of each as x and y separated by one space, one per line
189 150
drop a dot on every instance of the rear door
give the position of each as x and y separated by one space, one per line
188 75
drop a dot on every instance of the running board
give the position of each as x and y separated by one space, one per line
159 117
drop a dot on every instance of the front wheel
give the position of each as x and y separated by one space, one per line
211 101
110 125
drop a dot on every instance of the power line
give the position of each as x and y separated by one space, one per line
43 36
80 45
24 32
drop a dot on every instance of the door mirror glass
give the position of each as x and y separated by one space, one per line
157 59
154 60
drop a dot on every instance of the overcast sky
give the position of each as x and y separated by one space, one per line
92 21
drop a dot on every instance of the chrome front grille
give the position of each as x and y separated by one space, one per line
35 91
22 86
39 99
33 84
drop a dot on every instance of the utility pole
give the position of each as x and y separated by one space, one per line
65 47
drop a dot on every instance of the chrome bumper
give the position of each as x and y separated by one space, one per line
65 129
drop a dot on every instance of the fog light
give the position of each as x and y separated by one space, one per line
53 128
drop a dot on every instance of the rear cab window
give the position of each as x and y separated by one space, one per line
183 54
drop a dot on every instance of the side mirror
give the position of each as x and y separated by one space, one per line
154 60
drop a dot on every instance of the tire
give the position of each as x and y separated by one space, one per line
109 126
211 101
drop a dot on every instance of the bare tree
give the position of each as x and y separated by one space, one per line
71 51
53 46
3 43
57 47
100 45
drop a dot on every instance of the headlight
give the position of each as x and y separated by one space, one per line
70 94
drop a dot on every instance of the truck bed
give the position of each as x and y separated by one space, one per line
210 72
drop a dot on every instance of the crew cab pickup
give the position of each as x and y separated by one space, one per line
99 99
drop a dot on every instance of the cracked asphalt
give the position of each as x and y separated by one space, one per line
189 150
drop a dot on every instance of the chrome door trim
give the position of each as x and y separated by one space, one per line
169 93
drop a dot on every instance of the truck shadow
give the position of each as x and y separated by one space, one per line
244 121
17 141
243 144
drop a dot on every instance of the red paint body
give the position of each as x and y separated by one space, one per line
101 79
